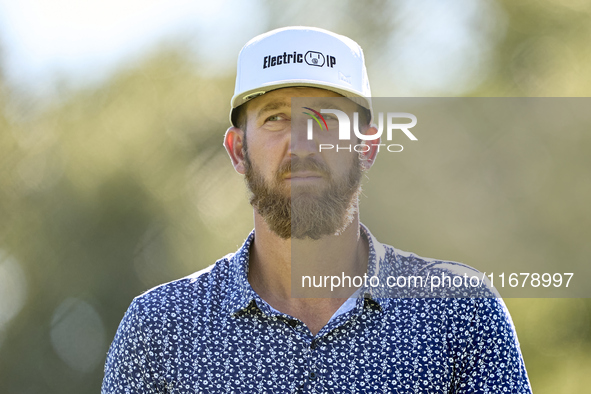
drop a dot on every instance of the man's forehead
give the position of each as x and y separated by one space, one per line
282 99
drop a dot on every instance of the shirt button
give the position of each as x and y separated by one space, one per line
312 376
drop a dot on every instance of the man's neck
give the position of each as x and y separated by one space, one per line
274 262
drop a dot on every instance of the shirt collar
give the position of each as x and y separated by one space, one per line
377 263
241 293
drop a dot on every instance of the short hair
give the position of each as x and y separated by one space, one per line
239 116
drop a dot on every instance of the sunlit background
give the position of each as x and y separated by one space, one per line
113 178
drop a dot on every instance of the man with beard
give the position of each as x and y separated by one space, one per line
241 326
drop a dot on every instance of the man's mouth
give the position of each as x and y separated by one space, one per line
303 176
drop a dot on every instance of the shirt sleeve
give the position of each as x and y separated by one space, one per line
488 358
128 368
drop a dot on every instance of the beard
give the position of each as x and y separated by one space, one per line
305 212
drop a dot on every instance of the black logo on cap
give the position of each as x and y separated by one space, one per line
311 58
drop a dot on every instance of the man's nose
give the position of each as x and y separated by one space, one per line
300 144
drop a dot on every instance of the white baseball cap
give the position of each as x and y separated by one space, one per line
301 56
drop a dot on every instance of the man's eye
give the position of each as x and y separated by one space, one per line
274 118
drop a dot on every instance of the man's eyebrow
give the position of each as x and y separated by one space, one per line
272 106
275 105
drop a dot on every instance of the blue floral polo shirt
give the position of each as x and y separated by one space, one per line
211 333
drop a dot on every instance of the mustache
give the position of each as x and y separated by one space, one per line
300 165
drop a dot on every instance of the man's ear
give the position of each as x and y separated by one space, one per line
369 156
234 144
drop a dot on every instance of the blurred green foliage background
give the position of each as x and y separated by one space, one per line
111 188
